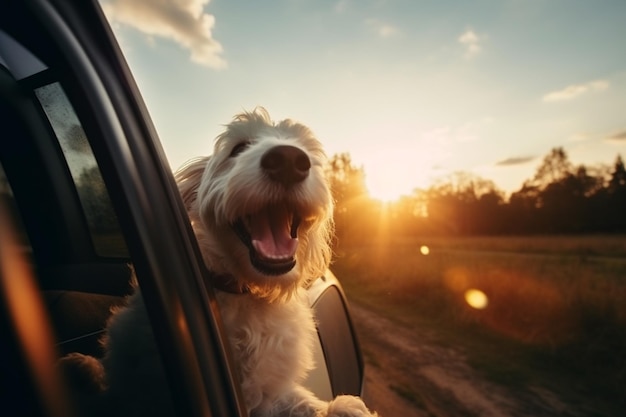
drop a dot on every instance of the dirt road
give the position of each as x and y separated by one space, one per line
408 374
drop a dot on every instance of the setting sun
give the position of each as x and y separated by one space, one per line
382 186
392 173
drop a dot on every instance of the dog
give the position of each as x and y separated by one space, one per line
261 209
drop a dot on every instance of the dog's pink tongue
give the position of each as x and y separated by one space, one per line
270 230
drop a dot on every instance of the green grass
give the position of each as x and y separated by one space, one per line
556 311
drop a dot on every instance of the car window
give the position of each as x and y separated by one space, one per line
96 203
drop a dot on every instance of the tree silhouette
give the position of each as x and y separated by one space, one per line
564 203
616 197
555 167
618 177
346 181
347 184
560 198
464 204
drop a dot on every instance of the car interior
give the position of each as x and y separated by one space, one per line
52 188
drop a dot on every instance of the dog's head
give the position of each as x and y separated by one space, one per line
261 205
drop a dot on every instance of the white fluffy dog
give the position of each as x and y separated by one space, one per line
261 209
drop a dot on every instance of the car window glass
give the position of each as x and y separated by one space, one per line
92 192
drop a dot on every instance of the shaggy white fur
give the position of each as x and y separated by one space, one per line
261 209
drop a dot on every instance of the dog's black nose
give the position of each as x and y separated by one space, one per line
286 164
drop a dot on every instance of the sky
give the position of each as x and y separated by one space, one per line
413 90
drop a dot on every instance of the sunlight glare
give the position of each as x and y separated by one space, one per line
393 173
424 250
382 186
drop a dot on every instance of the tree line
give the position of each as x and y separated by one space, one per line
560 198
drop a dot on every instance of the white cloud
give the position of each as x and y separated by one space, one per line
452 135
183 21
618 137
572 91
471 42
382 29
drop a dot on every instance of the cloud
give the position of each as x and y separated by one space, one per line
451 135
471 42
183 21
618 137
516 160
572 91
382 29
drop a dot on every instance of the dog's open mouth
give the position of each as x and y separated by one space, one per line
271 236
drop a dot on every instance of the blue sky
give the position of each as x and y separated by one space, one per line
413 90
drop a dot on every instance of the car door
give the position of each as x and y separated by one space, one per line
65 49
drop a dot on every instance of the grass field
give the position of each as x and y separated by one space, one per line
549 310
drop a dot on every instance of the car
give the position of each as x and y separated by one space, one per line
86 192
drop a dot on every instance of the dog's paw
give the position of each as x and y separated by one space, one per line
84 376
83 373
348 406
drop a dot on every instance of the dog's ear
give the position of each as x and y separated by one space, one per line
188 179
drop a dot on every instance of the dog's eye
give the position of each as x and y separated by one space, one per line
239 148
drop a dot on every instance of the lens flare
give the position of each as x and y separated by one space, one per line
476 299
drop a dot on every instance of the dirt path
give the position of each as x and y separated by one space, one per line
407 374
